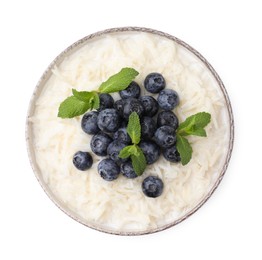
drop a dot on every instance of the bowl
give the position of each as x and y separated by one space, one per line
92 40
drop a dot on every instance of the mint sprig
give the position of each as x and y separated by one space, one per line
184 148
81 101
118 81
78 104
134 128
193 125
92 98
134 151
138 161
72 107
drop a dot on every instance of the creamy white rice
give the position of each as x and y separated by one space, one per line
120 205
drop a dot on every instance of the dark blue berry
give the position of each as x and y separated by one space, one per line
132 91
82 160
165 136
152 186
171 154
149 104
154 82
119 106
148 127
132 105
122 135
168 99
108 120
106 101
124 123
99 143
150 150
127 169
114 149
167 118
89 123
108 169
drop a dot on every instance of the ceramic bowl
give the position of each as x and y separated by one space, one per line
46 75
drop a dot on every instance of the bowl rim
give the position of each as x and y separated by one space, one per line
45 76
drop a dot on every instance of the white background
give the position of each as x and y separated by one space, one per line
227 33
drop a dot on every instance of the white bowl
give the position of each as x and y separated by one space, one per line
30 138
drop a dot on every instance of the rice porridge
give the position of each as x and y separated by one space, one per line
121 205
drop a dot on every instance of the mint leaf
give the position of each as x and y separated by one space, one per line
90 97
134 128
78 104
81 101
72 107
96 101
137 157
126 152
184 148
194 125
138 161
119 81
198 132
83 95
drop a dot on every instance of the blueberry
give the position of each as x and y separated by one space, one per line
89 123
108 169
132 105
99 143
149 104
167 118
132 91
165 136
122 135
114 149
150 150
127 169
152 186
124 123
168 99
119 106
82 160
171 154
108 120
148 127
106 101
154 82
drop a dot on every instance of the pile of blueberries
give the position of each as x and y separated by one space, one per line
108 127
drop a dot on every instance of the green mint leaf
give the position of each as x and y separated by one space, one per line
198 132
194 125
138 161
96 101
83 95
134 128
81 101
184 148
129 150
72 107
137 157
126 152
119 81
91 97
